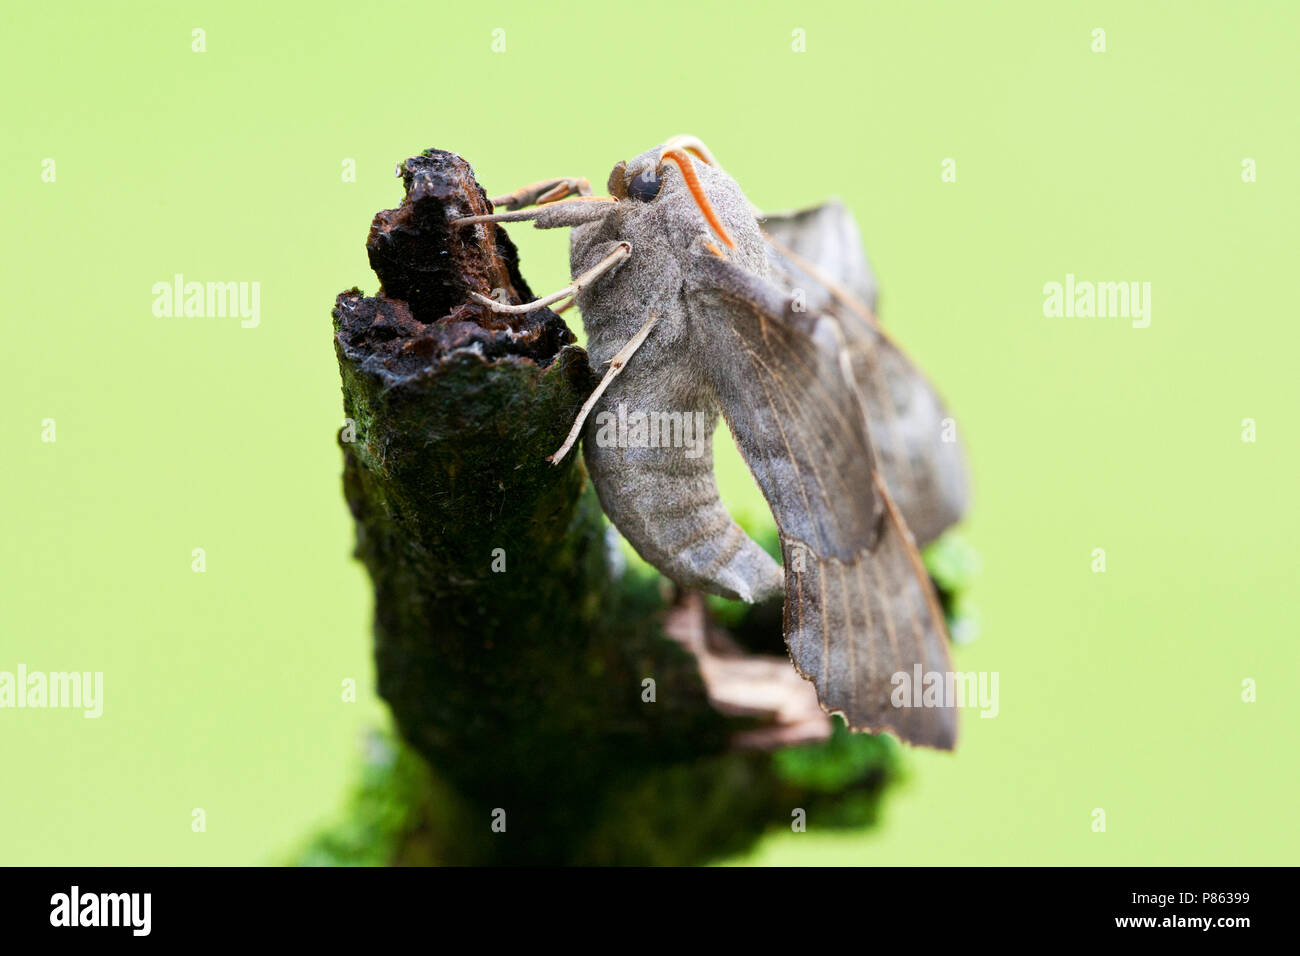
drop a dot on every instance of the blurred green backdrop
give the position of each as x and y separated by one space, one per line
1119 691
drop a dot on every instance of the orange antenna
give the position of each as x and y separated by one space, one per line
692 145
683 162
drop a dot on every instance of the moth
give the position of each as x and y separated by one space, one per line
699 305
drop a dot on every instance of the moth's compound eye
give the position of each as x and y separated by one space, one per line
644 186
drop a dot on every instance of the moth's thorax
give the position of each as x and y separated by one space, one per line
666 234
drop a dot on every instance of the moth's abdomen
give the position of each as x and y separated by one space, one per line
652 466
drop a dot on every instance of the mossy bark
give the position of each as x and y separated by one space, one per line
512 651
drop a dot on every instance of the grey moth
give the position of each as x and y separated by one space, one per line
699 307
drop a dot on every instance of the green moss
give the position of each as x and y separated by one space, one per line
954 565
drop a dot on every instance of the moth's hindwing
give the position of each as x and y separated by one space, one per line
828 237
918 450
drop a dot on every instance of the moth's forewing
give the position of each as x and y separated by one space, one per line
818 252
801 430
659 489
860 608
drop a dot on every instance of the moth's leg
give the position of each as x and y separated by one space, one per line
621 251
616 365
570 212
543 191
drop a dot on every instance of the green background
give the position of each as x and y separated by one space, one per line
1119 690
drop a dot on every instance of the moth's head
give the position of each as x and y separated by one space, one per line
639 179
682 175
